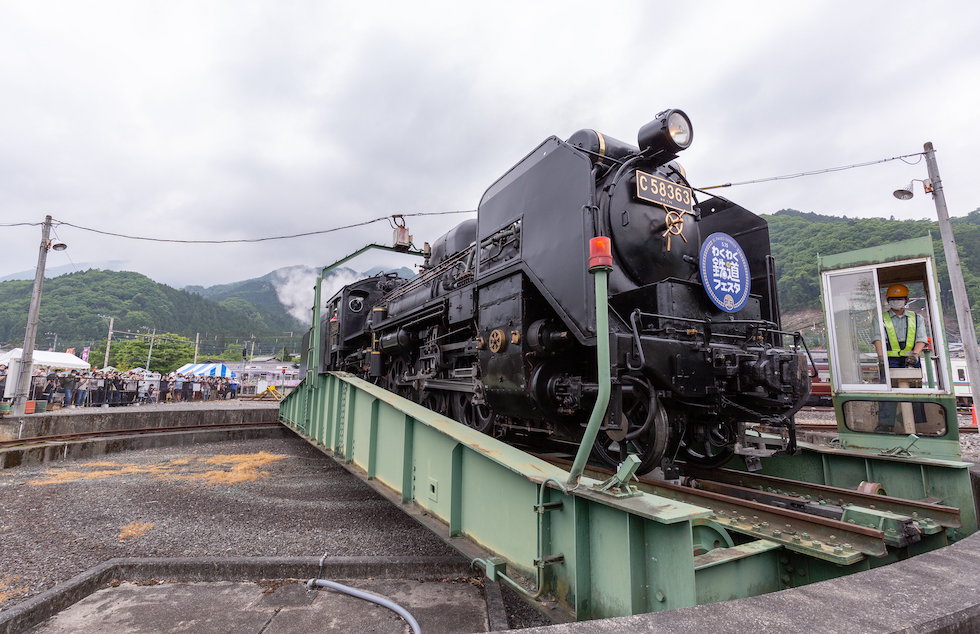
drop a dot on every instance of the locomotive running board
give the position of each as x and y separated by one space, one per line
590 554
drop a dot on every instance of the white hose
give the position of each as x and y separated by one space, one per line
368 596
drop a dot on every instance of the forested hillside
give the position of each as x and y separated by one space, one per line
259 295
798 238
72 305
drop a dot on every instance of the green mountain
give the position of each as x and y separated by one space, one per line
72 306
283 297
260 297
798 238
273 311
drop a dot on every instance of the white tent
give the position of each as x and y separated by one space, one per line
43 358
205 369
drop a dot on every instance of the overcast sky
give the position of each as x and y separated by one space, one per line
221 120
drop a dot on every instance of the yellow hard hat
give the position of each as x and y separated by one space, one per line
897 290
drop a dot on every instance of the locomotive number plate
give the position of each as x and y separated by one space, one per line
663 192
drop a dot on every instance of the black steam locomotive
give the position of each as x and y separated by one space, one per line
499 328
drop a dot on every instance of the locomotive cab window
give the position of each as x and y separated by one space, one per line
356 303
882 321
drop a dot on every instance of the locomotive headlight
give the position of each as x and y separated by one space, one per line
669 133
679 129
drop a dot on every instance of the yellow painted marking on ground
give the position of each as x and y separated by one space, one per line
238 468
134 530
7 590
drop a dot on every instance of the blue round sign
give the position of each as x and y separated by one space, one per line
725 272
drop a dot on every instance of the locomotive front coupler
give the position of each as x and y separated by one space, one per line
765 440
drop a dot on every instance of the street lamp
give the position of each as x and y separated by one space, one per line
905 193
27 356
934 185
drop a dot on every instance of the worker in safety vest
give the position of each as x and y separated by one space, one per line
905 337
905 332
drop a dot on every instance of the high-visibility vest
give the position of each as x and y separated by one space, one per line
893 348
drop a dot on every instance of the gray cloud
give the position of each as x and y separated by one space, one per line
228 120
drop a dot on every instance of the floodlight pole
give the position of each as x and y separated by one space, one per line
22 394
960 300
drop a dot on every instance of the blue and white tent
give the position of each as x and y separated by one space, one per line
206 369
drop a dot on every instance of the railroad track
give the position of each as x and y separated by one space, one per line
831 427
801 516
109 433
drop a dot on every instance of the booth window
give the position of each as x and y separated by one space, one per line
896 417
856 309
854 302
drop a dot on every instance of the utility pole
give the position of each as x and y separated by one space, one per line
960 300
197 343
108 341
27 357
152 337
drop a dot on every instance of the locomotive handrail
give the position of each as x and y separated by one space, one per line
770 326
424 277
636 342
767 326
813 364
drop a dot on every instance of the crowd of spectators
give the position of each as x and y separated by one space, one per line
80 388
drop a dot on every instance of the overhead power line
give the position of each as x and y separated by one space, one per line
826 170
264 239
917 155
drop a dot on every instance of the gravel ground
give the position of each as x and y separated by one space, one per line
276 497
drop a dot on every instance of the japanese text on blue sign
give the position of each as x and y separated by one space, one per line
725 272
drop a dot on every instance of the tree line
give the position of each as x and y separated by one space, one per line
798 238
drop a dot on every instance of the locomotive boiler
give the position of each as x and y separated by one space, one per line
499 328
